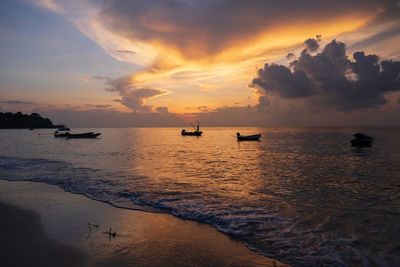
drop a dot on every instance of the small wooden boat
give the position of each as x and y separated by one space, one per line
255 137
197 131
80 135
84 135
361 140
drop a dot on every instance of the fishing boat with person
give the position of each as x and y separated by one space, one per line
196 131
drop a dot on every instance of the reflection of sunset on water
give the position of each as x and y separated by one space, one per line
296 192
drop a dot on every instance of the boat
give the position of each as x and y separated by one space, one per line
254 137
58 134
361 140
79 135
83 135
197 131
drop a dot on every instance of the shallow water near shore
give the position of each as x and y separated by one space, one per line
301 195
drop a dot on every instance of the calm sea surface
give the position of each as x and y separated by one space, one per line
301 195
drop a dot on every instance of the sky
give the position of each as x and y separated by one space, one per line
121 63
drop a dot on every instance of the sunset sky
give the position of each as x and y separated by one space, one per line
171 62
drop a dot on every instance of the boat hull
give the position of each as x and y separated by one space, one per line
361 140
84 135
192 133
357 142
81 135
255 137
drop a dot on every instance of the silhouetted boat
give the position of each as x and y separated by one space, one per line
80 135
84 135
255 137
58 134
361 140
197 131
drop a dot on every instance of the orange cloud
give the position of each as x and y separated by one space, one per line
188 47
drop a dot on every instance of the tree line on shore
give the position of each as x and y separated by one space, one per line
9 120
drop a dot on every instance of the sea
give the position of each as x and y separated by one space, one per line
303 196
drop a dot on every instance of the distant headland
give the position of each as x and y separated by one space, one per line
9 120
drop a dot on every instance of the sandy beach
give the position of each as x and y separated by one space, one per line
45 226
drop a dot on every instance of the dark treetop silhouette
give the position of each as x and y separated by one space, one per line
18 120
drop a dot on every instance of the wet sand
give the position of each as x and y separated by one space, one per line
45 226
24 242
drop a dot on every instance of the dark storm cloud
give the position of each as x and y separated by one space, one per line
16 102
312 44
208 27
329 79
282 80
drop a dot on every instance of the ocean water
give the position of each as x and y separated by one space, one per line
300 195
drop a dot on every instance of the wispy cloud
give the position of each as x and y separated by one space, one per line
131 96
126 51
98 106
16 102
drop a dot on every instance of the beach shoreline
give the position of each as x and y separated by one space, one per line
25 243
98 234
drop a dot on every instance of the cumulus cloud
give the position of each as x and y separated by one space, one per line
16 102
312 44
290 56
280 79
330 80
